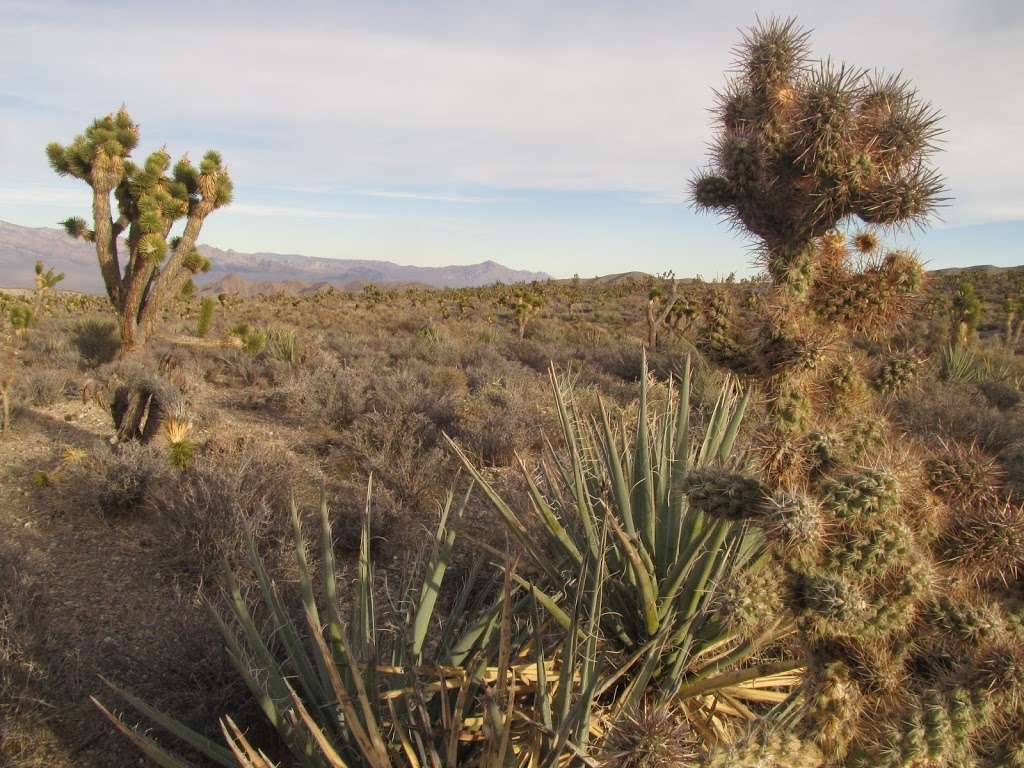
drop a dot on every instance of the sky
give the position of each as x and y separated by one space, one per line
546 136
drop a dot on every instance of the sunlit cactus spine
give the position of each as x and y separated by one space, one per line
150 198
861 495
987 543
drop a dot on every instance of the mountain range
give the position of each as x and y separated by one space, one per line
236 272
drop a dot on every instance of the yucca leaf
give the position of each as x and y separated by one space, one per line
150 748
197 741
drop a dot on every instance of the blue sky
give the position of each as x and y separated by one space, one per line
556 139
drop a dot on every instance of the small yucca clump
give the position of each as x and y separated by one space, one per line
964 475
653 737
861 495
988 544
176 426
723 493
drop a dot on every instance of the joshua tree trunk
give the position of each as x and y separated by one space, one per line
658 314
5 407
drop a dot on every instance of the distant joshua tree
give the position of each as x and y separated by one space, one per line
45 280
148 203
661 302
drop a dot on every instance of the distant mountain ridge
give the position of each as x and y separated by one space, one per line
234 271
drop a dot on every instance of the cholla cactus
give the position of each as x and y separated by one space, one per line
802 148
988 544
723 493
896 373
861 495
149 202
776 749
964 474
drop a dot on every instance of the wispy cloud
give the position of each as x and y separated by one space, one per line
315 104
292 212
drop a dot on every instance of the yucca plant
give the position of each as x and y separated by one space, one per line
957 362
494 687
671 502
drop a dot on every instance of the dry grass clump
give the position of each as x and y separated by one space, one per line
116 482
232 491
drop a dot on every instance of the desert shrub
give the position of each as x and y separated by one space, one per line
117 483
1001 394
42 386
206 308
232 490
326 392
501 418
402 450
97 341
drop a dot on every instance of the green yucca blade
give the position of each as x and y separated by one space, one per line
543 693
327 750
365 716
643 472
363 619
444 540
197 741
578 485
549 603
683 565
613 463
559 536
475 637
648 603
149 748
286 629
729 438
457 615
682 429
512 522
588 679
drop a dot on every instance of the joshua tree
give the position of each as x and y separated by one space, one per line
206 307
966 312
46 279
661 301
1013 306
803 148
524 304
148 203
